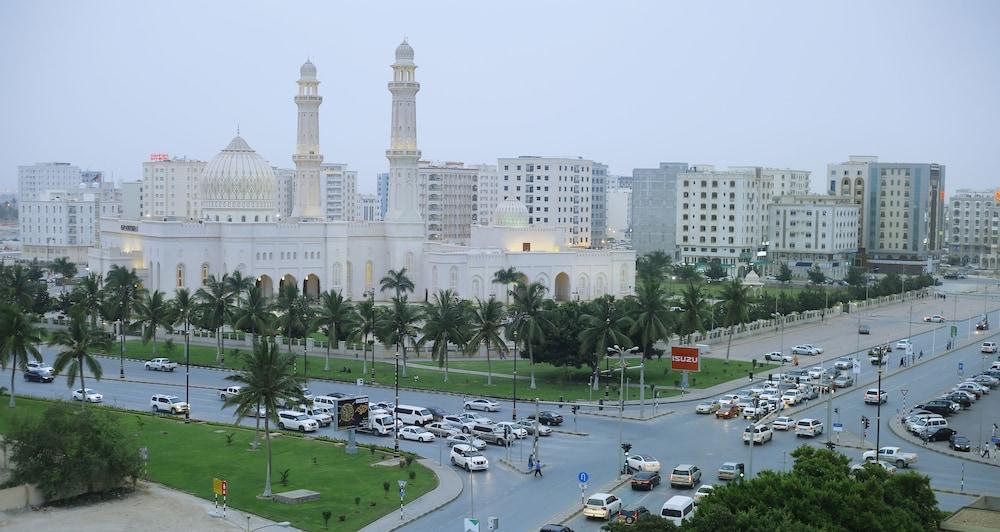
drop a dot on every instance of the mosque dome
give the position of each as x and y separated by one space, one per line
511 213
404 52
308 70
237 180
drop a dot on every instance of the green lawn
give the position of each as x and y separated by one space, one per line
187 457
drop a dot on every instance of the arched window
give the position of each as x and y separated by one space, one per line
337 274
622 284
453 278
180 276
369 275
204 273
409 261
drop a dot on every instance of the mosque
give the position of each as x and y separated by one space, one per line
240 230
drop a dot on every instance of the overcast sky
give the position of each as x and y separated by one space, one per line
788 84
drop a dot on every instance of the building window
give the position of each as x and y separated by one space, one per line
204 273
180 276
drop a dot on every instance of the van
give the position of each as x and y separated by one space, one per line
678 509
930 424
325 401
414 415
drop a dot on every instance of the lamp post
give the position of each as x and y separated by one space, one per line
372 341
513 322
756 405
878 413
622 365
395 411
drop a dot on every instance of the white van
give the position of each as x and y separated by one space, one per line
325 401
678 509
413 415
926 426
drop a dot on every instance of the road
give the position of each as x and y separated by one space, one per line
523 502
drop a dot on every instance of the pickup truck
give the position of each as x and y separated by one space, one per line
893 455
160 364
226 393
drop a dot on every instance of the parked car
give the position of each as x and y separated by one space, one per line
959 398
468 458
530 425
843 381
938 406
87 394
703 491
874 396
631 515
893 455
168 403
911 421
686 475
809 427
602 506
548 417
645 480
465 439
783 423
959 443
415 433
160 364
777 356
707 408
642 462
730 471
938 434
929 424
760 434
937 318
482 404
37 375
290 420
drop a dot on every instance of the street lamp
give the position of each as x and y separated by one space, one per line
395 411
878 413
622 365
513 322
370 292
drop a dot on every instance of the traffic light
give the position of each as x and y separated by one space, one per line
626 447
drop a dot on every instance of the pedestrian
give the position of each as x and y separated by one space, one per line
538 468
921 354
531 461
986 450
902 361
994 436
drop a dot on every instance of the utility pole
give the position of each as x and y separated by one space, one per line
878 414
621 391
642 389
535 442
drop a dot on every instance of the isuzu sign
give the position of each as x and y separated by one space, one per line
683 358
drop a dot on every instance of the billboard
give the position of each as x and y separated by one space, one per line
684 358
352 412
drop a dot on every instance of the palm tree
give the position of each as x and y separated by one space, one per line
253 315
215 304
604 325
507 277
19 339
268 381
123 291
89 296
290 311
333 316
182 311
79 341
153 312
695 313
528 306
239 284
397 281
19 288
63 266
399 325
446 322
364 325
736 308
487 325
650 319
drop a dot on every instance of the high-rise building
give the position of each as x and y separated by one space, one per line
285 195
810 230
339 190
368 207
598 205
556 190
383 194
974 227
850 179
131 200
619 210
171 187
487 194
447 200
653 201
36 179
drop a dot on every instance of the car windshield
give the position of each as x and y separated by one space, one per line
595 502
646 458
728 467
173 400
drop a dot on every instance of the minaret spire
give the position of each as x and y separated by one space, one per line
403 153
307 156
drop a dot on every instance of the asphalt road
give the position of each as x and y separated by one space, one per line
523 502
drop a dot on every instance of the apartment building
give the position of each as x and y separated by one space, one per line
598 205
810 230
171 187
974 227
654 208
557 192
447 200
339 192
368 207
487 194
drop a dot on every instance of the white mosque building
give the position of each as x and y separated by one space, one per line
241 231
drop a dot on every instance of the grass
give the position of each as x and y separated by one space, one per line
188 456
714 290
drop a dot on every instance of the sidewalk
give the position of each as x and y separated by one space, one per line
449 488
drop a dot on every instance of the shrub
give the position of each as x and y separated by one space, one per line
413 475
327 514
284 477
385 487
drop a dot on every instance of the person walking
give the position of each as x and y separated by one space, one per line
986 450
531 461
538 468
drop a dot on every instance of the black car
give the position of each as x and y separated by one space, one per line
983 325
35 375
548 417
555 528
937 407
959 398
959 443
631 515
645 480
437 413
864 329
941 434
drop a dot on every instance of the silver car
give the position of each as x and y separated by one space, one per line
843 381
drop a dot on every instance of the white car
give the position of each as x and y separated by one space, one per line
482 404
937 318
783 423
804 349
440 428
845 363
88 395
416 433
518 431
760 434
988 347
469 458
777 356
643 462
160 364
703 491
904 344
459 422
816 348
529 425
602 506
792 397
290 420
465 439
168 403
874 396
41 366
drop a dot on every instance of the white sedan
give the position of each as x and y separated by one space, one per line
816 348
904 344
643 462
415 433
465 439
937 318
88 395
777 356
783 423
804 349
518 431
482 404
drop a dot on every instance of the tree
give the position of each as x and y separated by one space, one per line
530 318
650 317
291 312
238 285
215 304
604 325
268 381
687 273
696 312
333 316
736 308
18 288
63 266
364 326
487 325
153 312
253 315
122 292
89 296
507 277
715 271
446 323
65 450
651 267
855 277
816 276
396 281
19 339
78 341
784 273
399 325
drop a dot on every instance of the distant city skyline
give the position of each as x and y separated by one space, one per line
783 84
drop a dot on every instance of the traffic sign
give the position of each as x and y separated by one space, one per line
856 367
838 427
360 382
470 525
583 486
954 331
217 486
961 366
583 477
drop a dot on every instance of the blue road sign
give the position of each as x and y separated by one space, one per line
583 476
961 366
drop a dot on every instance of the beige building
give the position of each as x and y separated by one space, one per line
447 193
974 227
556 190
171 187
810 230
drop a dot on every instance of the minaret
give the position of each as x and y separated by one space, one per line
403 153
307 156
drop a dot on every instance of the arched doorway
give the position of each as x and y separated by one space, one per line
288 279
583 288
310 287
266 286
562 287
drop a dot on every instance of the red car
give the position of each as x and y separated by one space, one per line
727 413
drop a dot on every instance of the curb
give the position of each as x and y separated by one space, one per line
900 431
515 468
630 418
569 432
954 492
567 515
410 519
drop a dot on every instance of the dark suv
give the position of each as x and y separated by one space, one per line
937 406
548 417
37 375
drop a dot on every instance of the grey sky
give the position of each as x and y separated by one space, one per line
790 84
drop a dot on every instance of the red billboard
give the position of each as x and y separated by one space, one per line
684 358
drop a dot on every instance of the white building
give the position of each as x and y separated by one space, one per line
850 179
240 230
65 224
808 230
447 201
171 187
368 207
131 207
598 204
39 178
285 191
974 227
619 210
339 190
487 193
556 191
